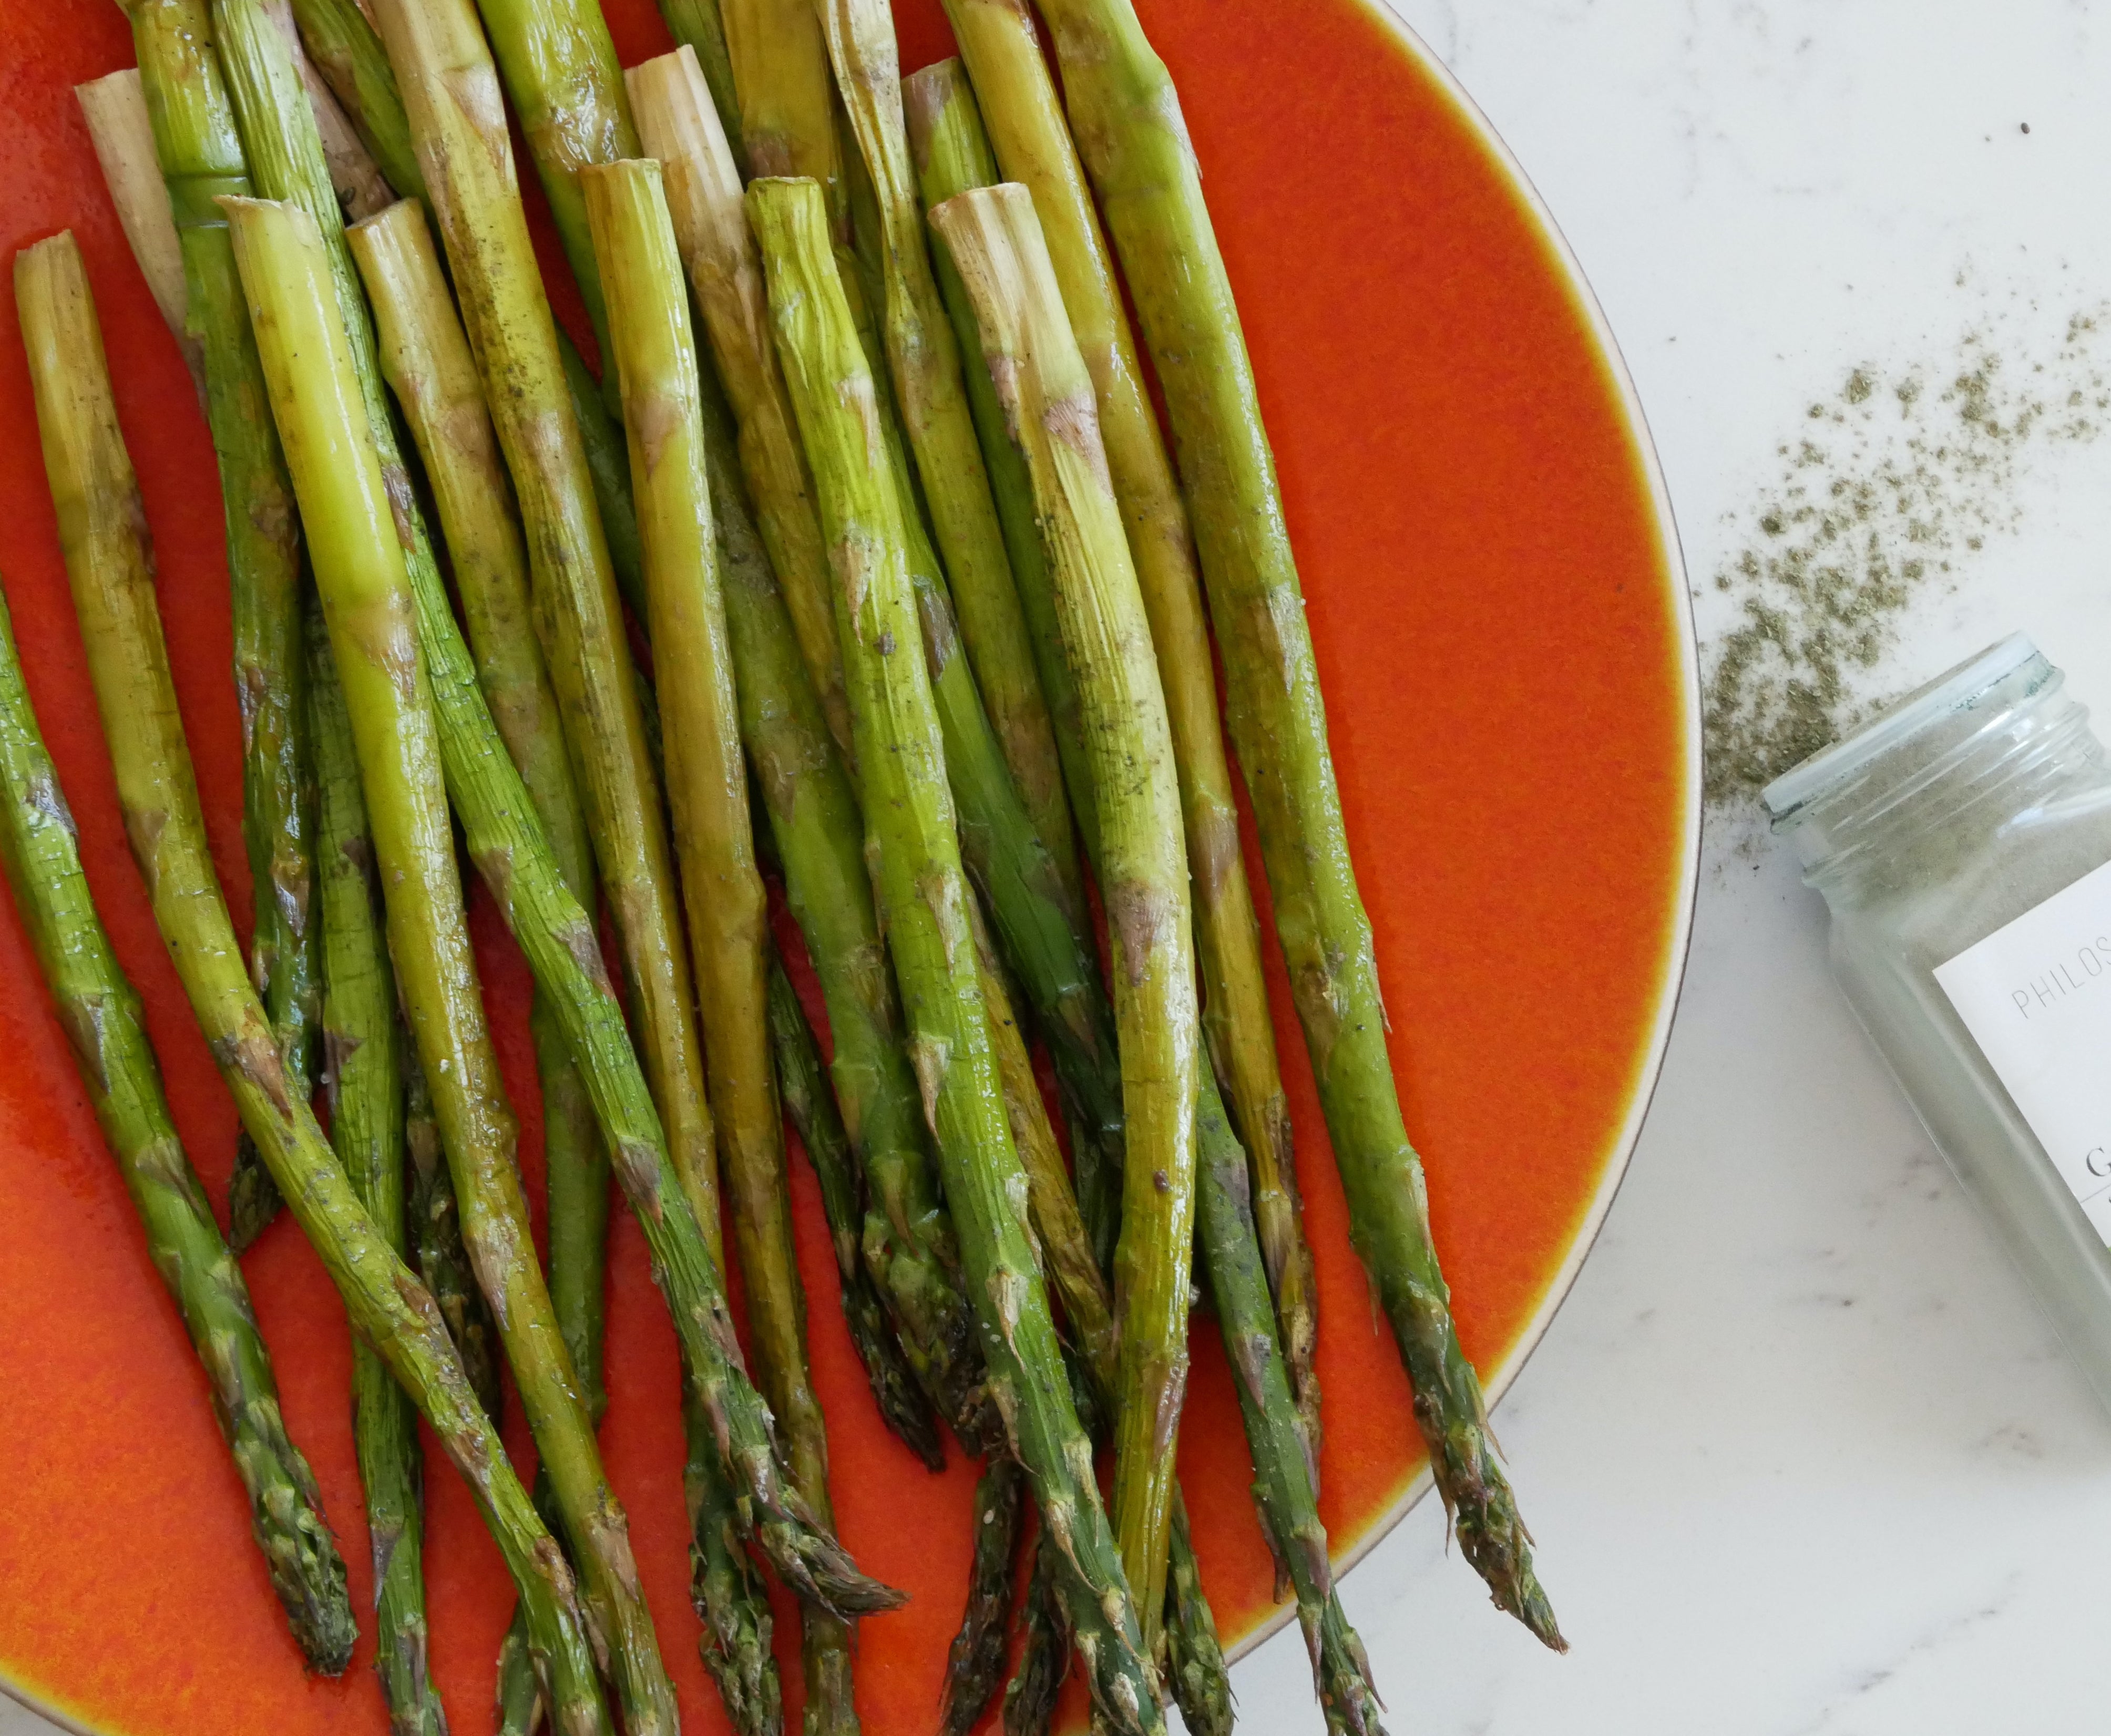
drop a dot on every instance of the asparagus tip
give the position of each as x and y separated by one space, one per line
819 1571
252 1199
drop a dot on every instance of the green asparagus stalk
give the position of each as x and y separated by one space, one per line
513 854
1043 937
567 85
361 187
567 77
974 1667
1283 1485
923 896
1043 934
1033 144
341 43
653 354
728 1598
810 1107
1065 1243
781 70
101 1014
361 572
995 244
363 1084
436 1236
439 52
201 155
817 824
726 1590
786 118
1047 944
109 562
426 360
679 126
907 1242
115 108
925 362
608 465
951 155
1194 1657
696 25
1044 1658
341 39
1126 117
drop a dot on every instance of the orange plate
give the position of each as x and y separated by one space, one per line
1497 598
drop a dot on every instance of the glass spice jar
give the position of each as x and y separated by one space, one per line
1962 844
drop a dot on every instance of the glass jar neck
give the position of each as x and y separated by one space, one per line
1923 807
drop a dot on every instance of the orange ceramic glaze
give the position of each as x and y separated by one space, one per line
1495 603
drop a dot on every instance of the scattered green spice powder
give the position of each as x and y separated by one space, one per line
1889 487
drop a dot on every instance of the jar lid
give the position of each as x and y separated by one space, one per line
1948 693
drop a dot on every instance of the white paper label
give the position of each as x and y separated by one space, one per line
2036 997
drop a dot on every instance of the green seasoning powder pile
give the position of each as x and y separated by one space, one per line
1889 487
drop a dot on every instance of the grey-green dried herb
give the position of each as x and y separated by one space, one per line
1890 487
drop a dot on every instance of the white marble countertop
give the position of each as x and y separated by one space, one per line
1800 1454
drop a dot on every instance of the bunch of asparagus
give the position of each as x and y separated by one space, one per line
871 469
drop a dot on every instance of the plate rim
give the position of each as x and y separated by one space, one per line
1679 945
1677 951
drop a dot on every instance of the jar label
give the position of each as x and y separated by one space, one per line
2036 997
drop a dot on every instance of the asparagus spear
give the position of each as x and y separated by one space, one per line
100 1012
341 43
946 144
115 108
996 238
908 1244
201 156
925 362
995 244
696 26
559 68
1043 934
514 856
608 465
655 357
974 1667
361 572
363 1084
1284 1484
1194 1657
109 562
361 187
340 30
780 67
436 1236
438 52
810 1107
923 896
1044 938
785 123
426 361
814 818
1044 1658
1032 144
1126 116
679 126
572 114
